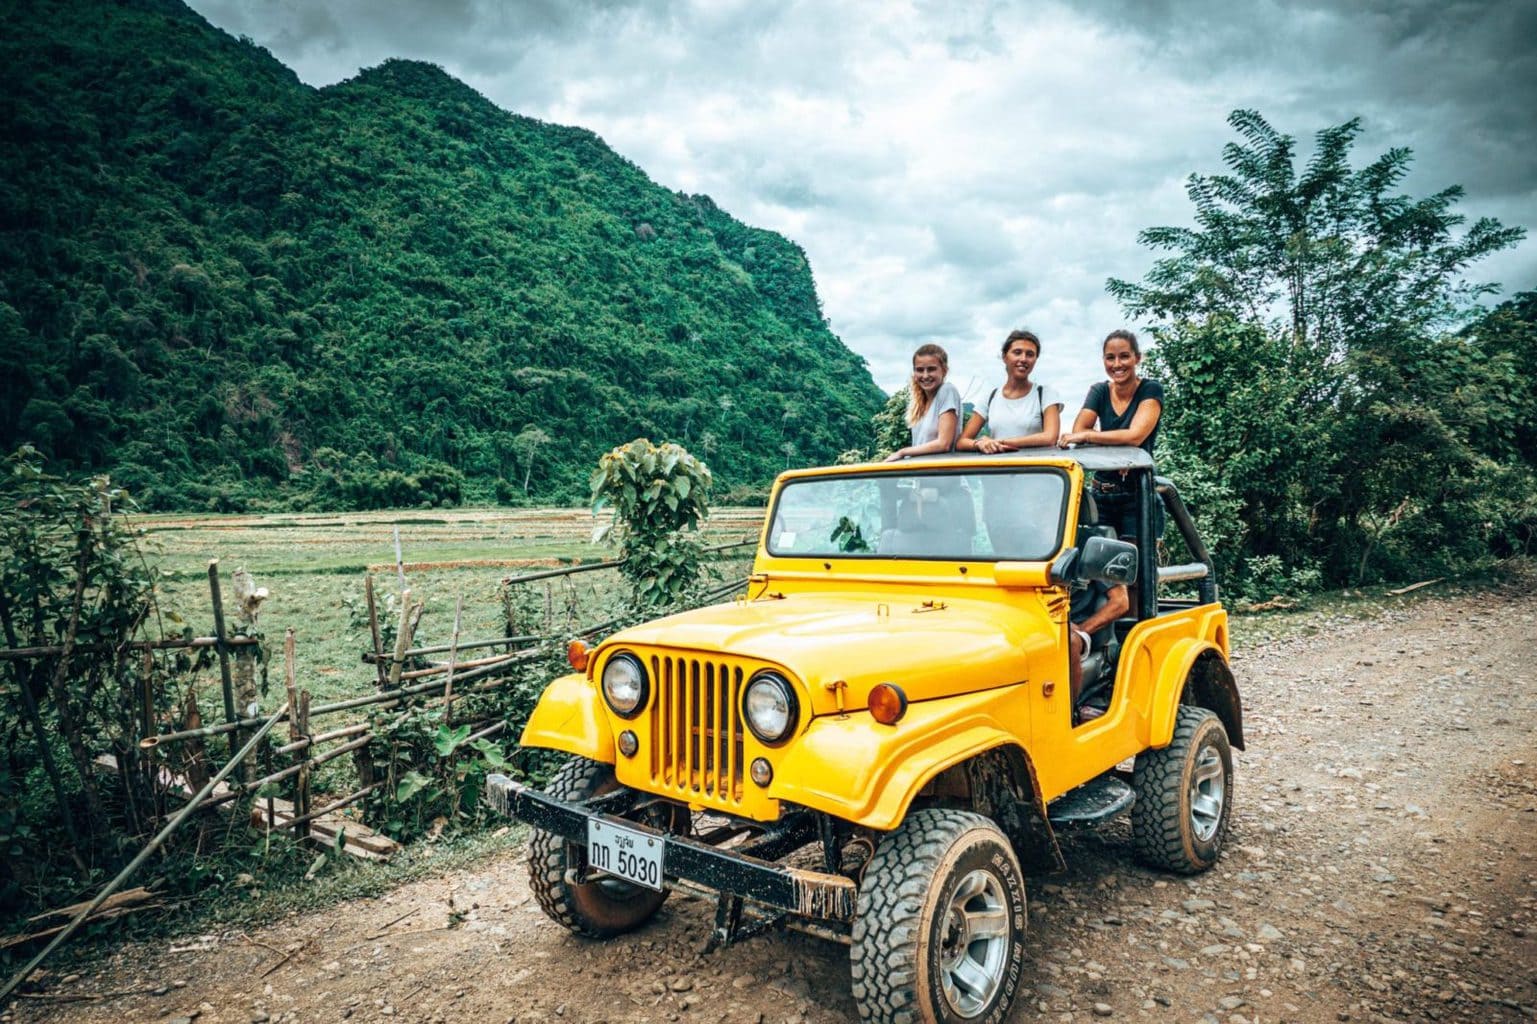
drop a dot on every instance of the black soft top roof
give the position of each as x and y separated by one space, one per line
1089 456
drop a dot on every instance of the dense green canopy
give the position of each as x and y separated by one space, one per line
233 290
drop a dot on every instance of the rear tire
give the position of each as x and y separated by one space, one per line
603 907
939 937
1184 795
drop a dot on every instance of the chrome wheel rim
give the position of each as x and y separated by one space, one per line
974 943
1208 791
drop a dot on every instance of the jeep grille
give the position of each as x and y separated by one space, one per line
696 728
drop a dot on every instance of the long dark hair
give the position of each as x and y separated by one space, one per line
1123 335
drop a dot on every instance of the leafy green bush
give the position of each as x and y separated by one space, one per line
434 773
659 495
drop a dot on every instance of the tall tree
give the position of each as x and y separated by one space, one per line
1303 333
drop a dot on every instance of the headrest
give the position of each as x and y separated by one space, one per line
1088 508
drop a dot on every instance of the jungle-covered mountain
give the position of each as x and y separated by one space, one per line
232 290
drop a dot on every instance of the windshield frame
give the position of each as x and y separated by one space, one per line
973 470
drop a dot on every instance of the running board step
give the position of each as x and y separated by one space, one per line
1093 802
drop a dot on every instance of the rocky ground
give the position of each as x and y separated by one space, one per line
1382 866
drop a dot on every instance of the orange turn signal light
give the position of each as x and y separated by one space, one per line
888 703
577 654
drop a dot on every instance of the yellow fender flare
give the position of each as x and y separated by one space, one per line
1177 664
569 716
853 768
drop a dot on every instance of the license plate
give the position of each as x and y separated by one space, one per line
625 853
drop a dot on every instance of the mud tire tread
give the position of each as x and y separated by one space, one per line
1161 834
883 958
577 780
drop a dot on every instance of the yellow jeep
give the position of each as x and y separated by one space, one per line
877 742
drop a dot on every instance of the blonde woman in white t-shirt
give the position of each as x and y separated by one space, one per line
1020 414
934 408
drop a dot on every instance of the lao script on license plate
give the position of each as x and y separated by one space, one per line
625 853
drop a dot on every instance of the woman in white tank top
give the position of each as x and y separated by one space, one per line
1020 414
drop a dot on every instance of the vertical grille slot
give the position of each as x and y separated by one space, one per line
696 725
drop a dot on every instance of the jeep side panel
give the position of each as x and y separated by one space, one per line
1140 706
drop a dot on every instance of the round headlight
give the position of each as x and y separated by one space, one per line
770 707
624 685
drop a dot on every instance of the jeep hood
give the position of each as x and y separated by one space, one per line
930 650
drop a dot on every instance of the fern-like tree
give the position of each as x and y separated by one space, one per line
1303 325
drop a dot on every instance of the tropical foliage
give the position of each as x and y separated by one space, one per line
659 495
1338 405
233 290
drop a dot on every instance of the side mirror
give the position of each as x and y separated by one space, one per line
1061 573
1108 561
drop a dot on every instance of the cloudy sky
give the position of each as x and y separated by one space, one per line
955 170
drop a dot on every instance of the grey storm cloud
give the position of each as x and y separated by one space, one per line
956 170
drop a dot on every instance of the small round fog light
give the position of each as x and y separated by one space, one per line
628 744
762 772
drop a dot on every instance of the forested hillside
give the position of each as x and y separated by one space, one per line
233 290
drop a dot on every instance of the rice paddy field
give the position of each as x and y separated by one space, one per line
314 567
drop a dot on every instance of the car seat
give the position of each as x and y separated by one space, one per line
934 521
1098 662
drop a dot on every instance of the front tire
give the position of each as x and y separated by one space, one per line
598 909
939 937
1184 795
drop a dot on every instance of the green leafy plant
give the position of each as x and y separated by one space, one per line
72 578
659 496
1332 386
436 771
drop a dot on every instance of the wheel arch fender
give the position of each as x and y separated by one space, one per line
1002 785
1196 673
872 775
569 716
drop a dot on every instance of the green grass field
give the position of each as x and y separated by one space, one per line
314 568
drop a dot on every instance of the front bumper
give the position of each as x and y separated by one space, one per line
810 894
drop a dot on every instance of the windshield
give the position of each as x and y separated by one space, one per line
1013 514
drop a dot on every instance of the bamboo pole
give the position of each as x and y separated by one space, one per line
18 653
305 742
245 694
302 805
244 789
403 633
467 646
385 699
223 646
437 670
565 570
143 855
453 656
490 730
373 629
334 805
296 724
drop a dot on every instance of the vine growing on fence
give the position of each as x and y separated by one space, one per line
71 580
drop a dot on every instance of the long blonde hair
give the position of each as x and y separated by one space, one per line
918 401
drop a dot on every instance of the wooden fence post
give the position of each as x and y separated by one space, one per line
223 649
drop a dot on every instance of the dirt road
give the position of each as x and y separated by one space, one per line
1382 866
